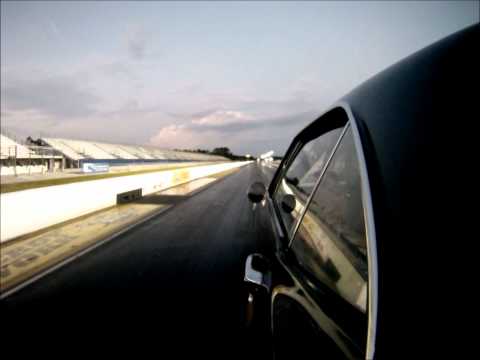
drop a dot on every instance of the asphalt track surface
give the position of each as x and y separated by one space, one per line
171 287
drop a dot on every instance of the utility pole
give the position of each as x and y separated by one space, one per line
15 161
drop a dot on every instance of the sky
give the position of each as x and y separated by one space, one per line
187 75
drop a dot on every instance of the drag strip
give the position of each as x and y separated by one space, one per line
176 278
26 260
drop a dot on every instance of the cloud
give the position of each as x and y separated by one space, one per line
23 123
239 131
137 43
221 118
60 97
182 136
54 28
235 121
116 69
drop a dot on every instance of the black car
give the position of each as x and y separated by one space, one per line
362 212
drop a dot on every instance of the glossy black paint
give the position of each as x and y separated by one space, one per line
412 119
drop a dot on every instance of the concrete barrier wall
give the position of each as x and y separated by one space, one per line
23 212
23 170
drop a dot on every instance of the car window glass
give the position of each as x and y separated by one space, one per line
301 176
330 242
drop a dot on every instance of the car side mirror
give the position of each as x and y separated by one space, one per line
256 192
257 272
288 203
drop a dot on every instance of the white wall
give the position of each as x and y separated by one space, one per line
23 170
26 211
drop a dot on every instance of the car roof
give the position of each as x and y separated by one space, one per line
415 120
407 113
415 124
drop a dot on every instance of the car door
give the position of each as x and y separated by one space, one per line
321 306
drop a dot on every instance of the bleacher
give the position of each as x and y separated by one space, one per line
21 159
10 148
63 148
94 150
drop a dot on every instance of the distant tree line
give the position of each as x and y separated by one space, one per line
220 151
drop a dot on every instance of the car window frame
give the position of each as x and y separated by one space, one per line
332 121
298 149
347 120
371 238
317 182
346 129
